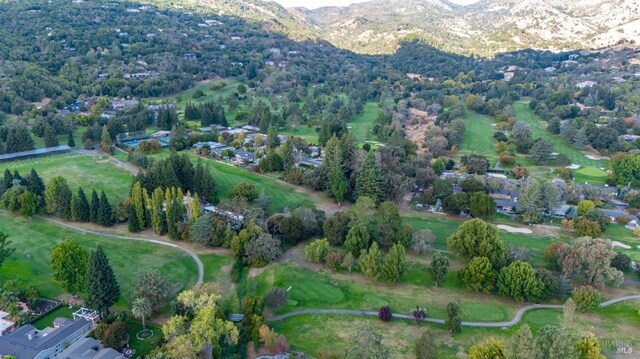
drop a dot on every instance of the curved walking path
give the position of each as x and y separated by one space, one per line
516 319
141 239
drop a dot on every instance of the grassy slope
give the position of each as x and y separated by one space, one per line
33 240
362 123
282 195
478 135
79 170
443 226
538 129
311 333
592 175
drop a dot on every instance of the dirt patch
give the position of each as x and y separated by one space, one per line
514 229
42 102
593 154
416 127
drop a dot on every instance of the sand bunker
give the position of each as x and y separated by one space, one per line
619 244
514 229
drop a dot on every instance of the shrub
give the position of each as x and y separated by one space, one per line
385 313
349 262
587 228
422 241
333 260
419 314
507 159
586 298
621 262
276 299
316 251
244 190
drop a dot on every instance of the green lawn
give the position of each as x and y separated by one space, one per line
307 132
311 289
330 333
539 130
444 226
33 240
362 123
320 332
478 135
90 172
183 97
282 195
142 347
47 320
592 175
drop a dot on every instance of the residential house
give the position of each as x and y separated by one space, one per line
565 211
506 201
89 348
5 324
27 342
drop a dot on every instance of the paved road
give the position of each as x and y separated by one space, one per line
510 323
141 239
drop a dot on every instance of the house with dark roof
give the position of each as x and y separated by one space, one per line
27 342
89 348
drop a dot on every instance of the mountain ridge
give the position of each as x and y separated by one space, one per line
486 28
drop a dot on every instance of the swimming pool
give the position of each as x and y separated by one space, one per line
164 142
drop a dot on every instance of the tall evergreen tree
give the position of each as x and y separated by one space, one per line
368 179
101 285
338 185
94 207
288 157
80 211
175 215
195 209
272 137
71 141
139 207
395 265
50 138
58 197
105 212
35 183
7 179
134 224
203 183
106 145
156 212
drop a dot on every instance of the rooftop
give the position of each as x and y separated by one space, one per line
27 341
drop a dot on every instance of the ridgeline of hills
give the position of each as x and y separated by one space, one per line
485 28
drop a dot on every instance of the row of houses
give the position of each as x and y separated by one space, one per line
506 200
245 152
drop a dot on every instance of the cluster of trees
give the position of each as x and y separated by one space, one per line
590 258
386 173
363 231
537 200
208 113
164 211
198 327
88 274
178 171
473 198
28 196
15 137
492 266
551 342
